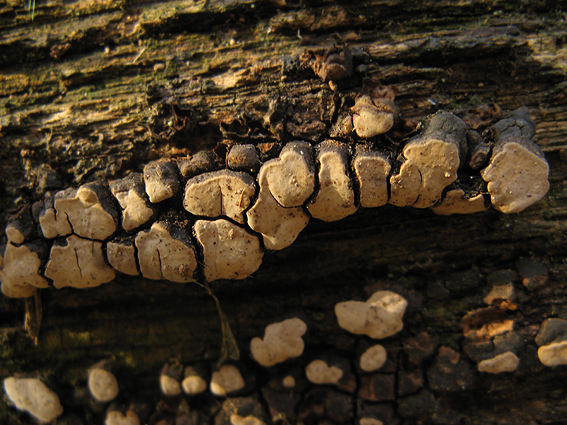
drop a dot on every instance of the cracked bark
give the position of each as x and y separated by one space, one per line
93 90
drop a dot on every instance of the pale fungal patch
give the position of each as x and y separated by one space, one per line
278 225
373 116
291 177
335 198
166 253
517 174
248 420
20 276
52 223
281 341
220 193
505 362
379 317
373 358
455 202
80 264
554 354
103 385
161 181
226 380
130 194
14 235
117 418
34 397
404 186
320 373
193 385
122 257
169 386
432 159
372 169
85 212
288 381
229 251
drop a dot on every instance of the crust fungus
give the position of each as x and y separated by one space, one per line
373 358
89 211
20 275
229 251
335 198
243 158
115 417
429 162
226 380
281 341
52 223
285 184
379 317
517 174
457 202
79 263
371 169
34 397
319 372
195 381
136 210
165 252
374 113
552 342
505 362
102 385
121 256
220 193
161 181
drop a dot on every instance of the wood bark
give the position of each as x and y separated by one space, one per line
93 90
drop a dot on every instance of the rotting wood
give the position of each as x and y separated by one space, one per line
83 113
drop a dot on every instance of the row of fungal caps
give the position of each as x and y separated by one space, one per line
135 225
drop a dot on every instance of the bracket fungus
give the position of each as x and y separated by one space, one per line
34 397
220 193
374 114
281 341
429 162
166 252
373 358
229 251
102 384
552 342
379 317
130 194
517 174
79 263
161 181
335 198
320 373
226 381
505 362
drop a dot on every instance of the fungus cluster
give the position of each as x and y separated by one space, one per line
188 219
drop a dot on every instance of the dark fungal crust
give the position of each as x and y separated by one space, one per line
78 236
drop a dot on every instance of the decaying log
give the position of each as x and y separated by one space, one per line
93 92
